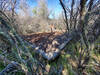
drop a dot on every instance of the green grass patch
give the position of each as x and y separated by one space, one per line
1 66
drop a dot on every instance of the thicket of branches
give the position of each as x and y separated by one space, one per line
78 17
17 52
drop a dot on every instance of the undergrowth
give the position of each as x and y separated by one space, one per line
67 62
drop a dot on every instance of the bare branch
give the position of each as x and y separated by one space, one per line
65 12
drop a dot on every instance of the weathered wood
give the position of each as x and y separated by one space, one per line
53 54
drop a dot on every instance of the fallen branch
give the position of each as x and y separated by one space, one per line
10 68
52 55
12 65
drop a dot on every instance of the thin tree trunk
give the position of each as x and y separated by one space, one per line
71 14
66 19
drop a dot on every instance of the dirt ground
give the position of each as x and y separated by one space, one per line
44 40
